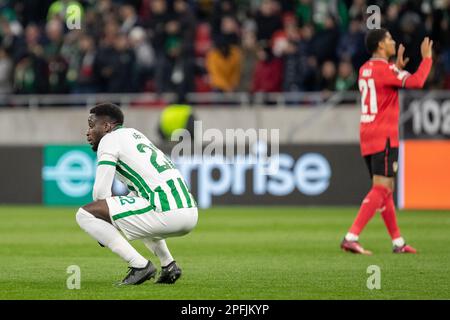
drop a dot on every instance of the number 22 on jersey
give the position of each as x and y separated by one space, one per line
368 95
167 164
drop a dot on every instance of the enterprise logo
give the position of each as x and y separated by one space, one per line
74 173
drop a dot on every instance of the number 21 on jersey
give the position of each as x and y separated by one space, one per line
368 95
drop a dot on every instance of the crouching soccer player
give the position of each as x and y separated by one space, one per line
379 82
159 204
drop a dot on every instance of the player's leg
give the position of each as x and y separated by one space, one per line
388 212
373 201
94 218
161 225
159 248
170 271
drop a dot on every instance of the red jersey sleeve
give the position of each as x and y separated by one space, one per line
392 76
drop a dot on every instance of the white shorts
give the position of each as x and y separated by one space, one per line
136 219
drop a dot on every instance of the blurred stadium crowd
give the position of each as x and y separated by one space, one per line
206 45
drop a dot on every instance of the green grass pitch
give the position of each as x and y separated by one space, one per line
234 253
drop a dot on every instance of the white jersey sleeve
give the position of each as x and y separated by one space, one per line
107 154
108 150
103 182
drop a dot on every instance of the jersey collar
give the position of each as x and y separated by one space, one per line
118 127
379 59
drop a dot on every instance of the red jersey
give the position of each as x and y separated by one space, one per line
378 83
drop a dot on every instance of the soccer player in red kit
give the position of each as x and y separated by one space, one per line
379 82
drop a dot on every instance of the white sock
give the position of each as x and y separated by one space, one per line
398 242
159 248
109 236
351 237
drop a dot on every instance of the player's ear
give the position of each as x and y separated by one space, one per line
107 126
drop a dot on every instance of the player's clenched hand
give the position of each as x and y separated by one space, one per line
401 62
426 48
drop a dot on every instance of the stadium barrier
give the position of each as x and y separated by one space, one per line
237 99
320 124
424 149
307 175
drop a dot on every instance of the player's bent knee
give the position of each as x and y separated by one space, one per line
98 209
82 216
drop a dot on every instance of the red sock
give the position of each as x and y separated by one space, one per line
374 200
389 217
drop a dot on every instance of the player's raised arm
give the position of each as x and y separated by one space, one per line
403 79
417 80
401 62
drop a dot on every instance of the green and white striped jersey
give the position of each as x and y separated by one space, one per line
145 169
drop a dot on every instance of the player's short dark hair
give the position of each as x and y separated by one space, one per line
373 37
108 109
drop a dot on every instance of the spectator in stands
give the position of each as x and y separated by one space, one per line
325 41
411 33
122 67
31 74
351 45
14 45
9 15
327 78
440 27
31 12
175 66
318 12
230 30
392 19
358 9
145 57
304 12
84 66
203 41
33 38
188 22
71 54
249 58
268 20
128 17
93 24
187 65
104 7
310 65
268 74
54 32
223 63
57 65
6 69
103 60
286 6
31 70
346 78
286 44
57 75
290 32
221 9
156 25
319 31
296 68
